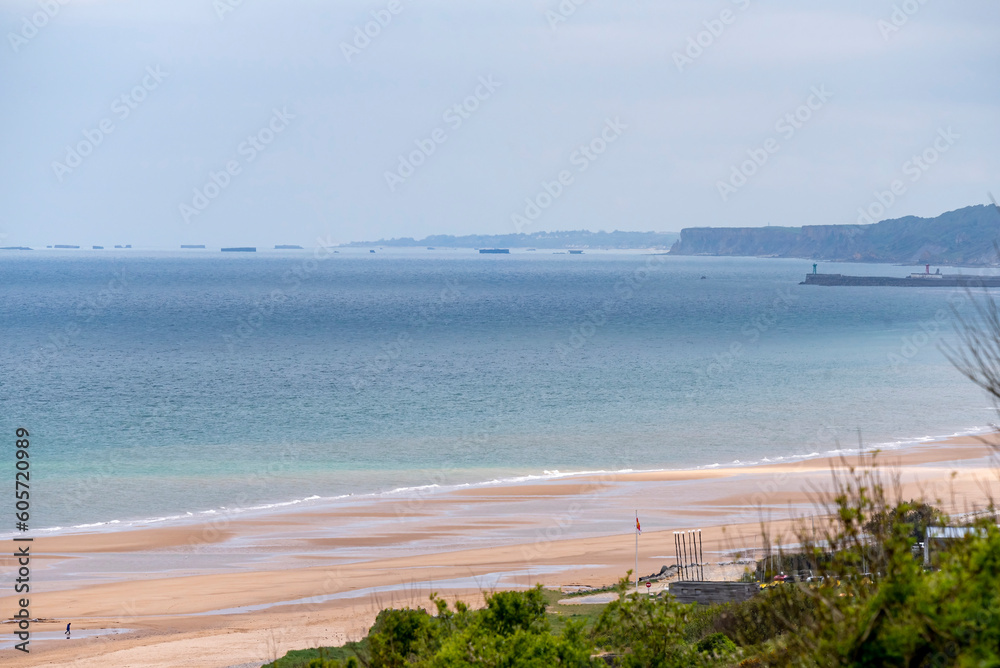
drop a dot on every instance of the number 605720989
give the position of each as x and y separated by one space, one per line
21 480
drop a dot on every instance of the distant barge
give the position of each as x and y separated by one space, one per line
501 251
915 280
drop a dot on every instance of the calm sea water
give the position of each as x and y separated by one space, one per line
157 385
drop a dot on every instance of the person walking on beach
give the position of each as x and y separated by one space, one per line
67 631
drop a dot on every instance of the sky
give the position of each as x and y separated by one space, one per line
246 122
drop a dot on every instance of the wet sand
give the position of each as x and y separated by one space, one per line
249 588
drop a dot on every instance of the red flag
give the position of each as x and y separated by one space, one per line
637 527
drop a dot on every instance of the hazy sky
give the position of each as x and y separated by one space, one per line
246 122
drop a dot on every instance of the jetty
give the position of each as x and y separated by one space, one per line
923 279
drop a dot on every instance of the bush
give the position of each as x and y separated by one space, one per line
400 636
333 663
646 631
908 617
717 644
513 631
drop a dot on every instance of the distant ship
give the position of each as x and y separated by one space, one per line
240 249
923 279
192 245
576 252
495 250
64 246
287 247
97 247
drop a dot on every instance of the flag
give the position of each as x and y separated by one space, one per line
637 527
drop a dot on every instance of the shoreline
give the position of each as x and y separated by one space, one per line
316 577
316 503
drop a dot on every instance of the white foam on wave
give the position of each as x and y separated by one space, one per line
415 488
168 518
95 524
120 525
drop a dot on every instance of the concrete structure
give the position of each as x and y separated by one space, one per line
695 591
912 281
941 534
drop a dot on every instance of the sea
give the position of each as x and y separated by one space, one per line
164 387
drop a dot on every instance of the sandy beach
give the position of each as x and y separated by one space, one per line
248 588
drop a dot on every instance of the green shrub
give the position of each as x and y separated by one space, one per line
333 663
717 644
400 636
509 611
907 617
646 631
512 630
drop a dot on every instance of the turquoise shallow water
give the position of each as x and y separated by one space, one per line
162 384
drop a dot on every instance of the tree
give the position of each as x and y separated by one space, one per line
649 632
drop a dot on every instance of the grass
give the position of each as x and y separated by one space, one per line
558 614
300 658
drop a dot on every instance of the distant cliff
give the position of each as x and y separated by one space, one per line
570 239
961 237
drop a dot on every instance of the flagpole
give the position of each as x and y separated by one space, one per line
637 550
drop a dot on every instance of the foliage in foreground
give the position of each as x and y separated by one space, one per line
908 616
643 631
512 630
905 617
